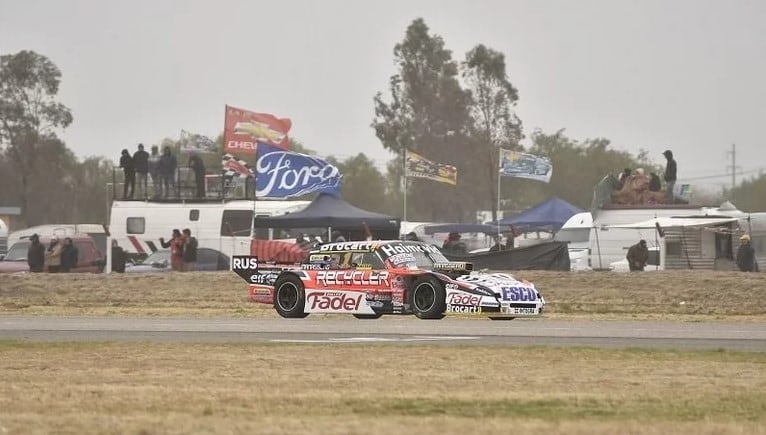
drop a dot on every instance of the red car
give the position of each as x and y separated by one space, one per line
369 279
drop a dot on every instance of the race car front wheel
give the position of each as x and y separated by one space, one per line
428 298
289 297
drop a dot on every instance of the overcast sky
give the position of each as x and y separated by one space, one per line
651 74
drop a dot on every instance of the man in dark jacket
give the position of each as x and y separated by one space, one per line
36 254
745 255
637 257
69 254
126 163
189 251
167 168
670 174
141 165
198 167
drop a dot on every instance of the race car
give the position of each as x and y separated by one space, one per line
369 279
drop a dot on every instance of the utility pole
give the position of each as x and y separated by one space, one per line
733 167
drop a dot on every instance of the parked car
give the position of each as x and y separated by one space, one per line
159 261
89 258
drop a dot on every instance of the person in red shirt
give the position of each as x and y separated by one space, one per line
176 245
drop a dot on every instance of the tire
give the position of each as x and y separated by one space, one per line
428 298
290 297
368 316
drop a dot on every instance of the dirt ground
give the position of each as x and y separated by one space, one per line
669 294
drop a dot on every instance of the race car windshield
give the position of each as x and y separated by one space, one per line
417 260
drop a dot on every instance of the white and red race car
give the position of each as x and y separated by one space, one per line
369 279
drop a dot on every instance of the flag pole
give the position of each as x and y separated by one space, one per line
404 186
497 173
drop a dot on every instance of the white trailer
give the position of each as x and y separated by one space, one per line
608 244
224 226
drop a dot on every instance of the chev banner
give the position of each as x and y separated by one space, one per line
281 174
419 167
522 165
243 129
196 143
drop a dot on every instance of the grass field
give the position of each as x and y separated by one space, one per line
148 388
287 389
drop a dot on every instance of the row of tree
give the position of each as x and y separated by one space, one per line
458 113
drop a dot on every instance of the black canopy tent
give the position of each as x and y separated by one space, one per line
333 213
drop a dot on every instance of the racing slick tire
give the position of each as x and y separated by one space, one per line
428 298
290 297
368 316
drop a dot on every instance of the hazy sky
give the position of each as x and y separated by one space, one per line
684 75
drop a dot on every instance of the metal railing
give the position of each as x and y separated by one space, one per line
181 186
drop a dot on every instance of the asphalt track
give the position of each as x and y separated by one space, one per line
404 330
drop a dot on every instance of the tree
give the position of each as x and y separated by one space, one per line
29 115
428 114
362 184
494 122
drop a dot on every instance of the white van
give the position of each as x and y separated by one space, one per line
576 232
224 226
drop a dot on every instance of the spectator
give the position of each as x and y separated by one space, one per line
745 255
624 176
119 258
141 165
129 172
53 256
69 256
198 167
189 252
670 174
498 246
154 171
176 245
637 257
411 236
36 254
302 242
167 167
453 243
654 182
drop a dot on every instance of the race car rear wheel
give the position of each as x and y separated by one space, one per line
368 316
428 298
289 297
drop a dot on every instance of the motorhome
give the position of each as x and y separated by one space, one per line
682 237
137 226
3 238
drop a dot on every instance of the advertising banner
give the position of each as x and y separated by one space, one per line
234 167
281 173
522 165
244 129
419 167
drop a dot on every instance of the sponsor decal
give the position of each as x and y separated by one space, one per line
347 246
353 277
456 265
463 309
518 294
400 248
460 298
314 266
404 258
452 286
334 301
266 279
524 310
245 266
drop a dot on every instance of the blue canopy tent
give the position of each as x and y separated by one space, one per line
460 228
549 215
